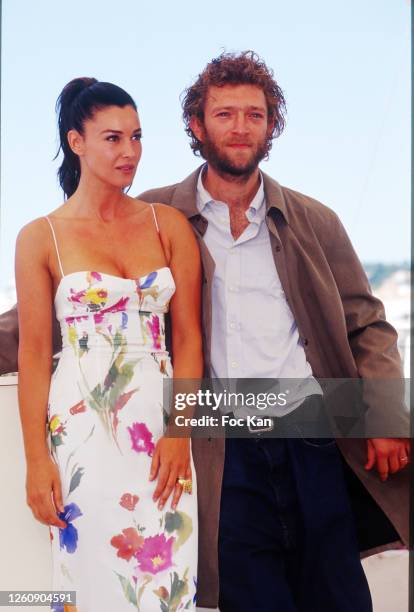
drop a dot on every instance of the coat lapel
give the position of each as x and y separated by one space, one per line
184 199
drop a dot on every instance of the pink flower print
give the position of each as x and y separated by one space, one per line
129 501
154 329
120 306
141 438
128 543
93 276
70 320
156 554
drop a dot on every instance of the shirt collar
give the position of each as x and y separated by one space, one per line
256 211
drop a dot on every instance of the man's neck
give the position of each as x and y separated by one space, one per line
236 192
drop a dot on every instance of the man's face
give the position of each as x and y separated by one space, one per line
235 129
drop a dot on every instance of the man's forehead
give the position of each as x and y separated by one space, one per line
232 95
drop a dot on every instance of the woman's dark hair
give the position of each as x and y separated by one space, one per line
245 68
78 101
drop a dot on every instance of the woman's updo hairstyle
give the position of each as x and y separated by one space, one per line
78 101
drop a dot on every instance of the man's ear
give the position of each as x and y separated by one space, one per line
76 142
197 128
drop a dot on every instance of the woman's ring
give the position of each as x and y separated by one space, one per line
186 484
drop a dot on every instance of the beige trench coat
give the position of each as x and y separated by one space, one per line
343 330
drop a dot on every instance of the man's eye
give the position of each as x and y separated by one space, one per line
223 114
257 115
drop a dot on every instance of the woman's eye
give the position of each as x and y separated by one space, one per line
137 137
112 138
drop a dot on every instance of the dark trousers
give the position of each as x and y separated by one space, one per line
287 539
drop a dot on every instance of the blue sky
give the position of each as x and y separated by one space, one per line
344 68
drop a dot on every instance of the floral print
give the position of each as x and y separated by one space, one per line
156 554
129 501
141 438
105 417
128 543
57 430
68 537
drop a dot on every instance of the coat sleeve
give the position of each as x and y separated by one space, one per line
373 341
9 341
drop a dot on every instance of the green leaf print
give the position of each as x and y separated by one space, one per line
119 339
122 379
171 601
173 521
182 524
128 590
110 395
76 478
96 397
179 588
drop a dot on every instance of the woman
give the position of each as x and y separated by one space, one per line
110 264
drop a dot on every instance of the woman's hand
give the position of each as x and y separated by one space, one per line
44 491
170 461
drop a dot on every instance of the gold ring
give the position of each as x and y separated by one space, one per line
186 484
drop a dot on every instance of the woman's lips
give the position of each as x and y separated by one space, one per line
126 169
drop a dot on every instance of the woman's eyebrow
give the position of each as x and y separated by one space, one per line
138 130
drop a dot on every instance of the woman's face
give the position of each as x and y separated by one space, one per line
110 146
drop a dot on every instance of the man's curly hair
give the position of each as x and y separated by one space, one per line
245 68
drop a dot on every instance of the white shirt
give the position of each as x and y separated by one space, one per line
254 333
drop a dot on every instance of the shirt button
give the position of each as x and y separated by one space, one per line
232 288
234 364
278 248
232 326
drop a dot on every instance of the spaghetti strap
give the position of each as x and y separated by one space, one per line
158 231
155 218
56 246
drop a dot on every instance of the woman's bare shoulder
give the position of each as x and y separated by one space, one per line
34 230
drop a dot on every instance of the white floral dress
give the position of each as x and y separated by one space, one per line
118 551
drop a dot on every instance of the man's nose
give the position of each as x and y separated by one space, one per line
240 124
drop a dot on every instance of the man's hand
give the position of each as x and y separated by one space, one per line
390 455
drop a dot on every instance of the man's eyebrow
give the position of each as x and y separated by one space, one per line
230 107
137 131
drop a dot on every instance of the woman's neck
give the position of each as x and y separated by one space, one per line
97 200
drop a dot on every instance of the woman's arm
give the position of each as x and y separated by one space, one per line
172 455
34 296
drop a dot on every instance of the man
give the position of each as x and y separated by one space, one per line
284 296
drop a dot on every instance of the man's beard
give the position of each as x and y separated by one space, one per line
226 166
